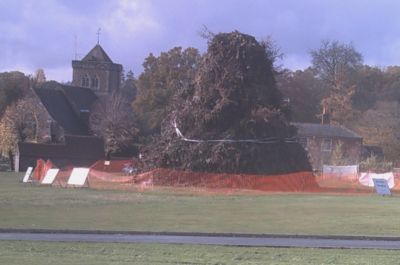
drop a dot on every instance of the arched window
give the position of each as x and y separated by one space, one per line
85 82
95 82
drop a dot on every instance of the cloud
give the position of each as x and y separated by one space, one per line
61 74
36 37
40 33
130 17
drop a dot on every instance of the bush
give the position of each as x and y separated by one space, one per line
374 165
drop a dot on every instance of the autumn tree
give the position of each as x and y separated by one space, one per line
21 122
380 126
161 78
39 77
335 64
13 85
112 119
391 87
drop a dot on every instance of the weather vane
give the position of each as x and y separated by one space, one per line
98 35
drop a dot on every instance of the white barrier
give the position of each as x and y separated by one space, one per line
367 178
340 172
78 176
50 176
27 175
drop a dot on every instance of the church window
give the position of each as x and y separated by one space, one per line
95 82
85 81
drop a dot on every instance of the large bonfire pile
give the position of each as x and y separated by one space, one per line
231 118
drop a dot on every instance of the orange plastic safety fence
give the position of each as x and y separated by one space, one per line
293 182
41 169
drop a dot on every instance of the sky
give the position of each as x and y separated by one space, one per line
49 34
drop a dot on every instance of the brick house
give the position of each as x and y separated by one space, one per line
321 141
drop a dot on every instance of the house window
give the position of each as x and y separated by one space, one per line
95 82
85 82
326 145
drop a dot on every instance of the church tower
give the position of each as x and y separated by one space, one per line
97 72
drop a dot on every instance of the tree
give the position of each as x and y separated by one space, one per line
335 64
339 106
128 87
112 119
21 122
39 77
13 85
303 91
370 87
380 126
391 88
340 157
161 78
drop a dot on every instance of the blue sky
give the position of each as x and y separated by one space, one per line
41 33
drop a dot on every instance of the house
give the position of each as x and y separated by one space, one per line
326 143
63 123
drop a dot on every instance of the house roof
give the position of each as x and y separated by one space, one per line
75 147
61 110
97 54
324 130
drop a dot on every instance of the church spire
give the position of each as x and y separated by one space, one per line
98 35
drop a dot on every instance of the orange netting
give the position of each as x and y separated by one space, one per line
113 166
62 177
294 182
41 169
113 175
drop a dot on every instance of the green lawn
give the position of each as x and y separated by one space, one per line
42 253
26 206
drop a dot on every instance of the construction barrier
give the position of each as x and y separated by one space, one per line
293 182
122 175
367 178
41 169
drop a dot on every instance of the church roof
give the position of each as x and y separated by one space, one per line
97 54
61 110
82 98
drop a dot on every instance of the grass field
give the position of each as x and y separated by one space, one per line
26 206
40 253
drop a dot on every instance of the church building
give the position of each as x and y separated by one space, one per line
97 72
66 135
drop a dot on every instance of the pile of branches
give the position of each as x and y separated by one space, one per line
233 98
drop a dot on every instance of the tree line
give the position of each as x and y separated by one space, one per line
337 85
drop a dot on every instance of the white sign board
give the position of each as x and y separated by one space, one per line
367 179
382 187
340 172
27 175
50 176
78 176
